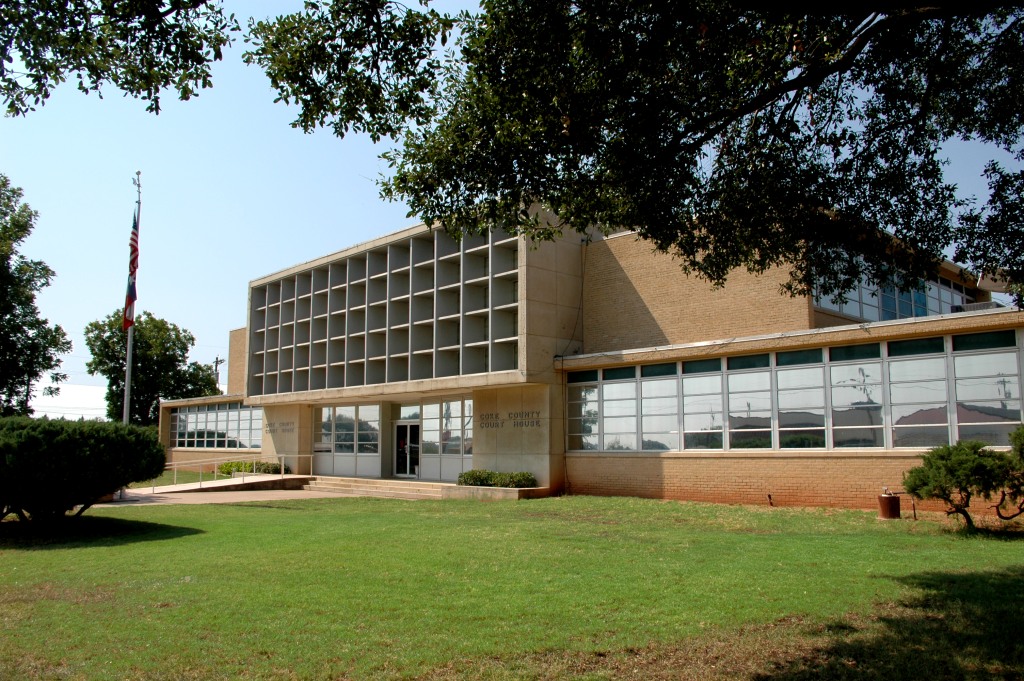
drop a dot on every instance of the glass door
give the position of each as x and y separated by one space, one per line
407 450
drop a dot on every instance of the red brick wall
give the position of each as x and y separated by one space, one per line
847 480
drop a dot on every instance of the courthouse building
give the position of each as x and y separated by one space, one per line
598 366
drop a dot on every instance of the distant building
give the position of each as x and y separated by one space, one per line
598 366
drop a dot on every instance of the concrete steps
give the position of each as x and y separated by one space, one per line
368 487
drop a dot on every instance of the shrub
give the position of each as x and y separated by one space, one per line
229 467
484 478
48 468
957 473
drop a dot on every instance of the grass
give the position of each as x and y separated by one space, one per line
573 587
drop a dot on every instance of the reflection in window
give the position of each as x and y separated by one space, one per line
222 426
987 396
750 410
917 389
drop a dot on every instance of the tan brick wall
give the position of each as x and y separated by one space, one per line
847 480
236 361
635 298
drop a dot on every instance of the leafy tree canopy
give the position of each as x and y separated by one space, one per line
29 345
140 46
728 135
160 366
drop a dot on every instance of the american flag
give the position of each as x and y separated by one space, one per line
133 265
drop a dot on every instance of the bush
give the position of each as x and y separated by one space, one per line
48 468
229 467
957 473
484 478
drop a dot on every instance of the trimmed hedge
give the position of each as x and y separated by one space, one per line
229 467
484 478
49 467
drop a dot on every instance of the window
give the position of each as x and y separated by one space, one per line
222 426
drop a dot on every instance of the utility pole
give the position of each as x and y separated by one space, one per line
217 361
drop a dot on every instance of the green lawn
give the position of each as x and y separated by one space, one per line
573 587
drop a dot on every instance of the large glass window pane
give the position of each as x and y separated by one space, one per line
583 426
702 385
846 353
699 366
711 421
811 397
655 406
582 393
919 414
620 442
856 374
659 424
916 346
745 402
707 440
651 370
618 391
618 373
409 412
760 380
922 391
661 442
994 434
750 440
588 376
997 364
857 415
805 418
581 443
920 436
975 412
917 369
800 378
992 388
751 420
619 408
699 403
858 437
748 362
662 388
792 357
985 341
620 424
432 410
802 439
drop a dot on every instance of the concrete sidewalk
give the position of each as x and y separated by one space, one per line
225 491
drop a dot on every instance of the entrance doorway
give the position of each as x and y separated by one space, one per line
407 449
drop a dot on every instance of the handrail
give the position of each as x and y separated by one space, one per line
254 457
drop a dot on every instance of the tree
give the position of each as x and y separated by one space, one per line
728 135
958 473
29 346
160 366
142 47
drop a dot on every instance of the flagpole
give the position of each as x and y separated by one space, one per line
131 329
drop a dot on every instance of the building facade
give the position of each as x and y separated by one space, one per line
598 366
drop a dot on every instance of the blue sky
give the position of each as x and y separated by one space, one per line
230 193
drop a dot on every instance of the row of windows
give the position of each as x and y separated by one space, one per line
873 304
912 393
445 427
349 429
224 426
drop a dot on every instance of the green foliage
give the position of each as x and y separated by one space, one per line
29 345
47 468
229 467
1011 498
485 478
160 366
731 137
140 47
957 473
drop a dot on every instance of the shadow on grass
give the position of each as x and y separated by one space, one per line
85 531
959 626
